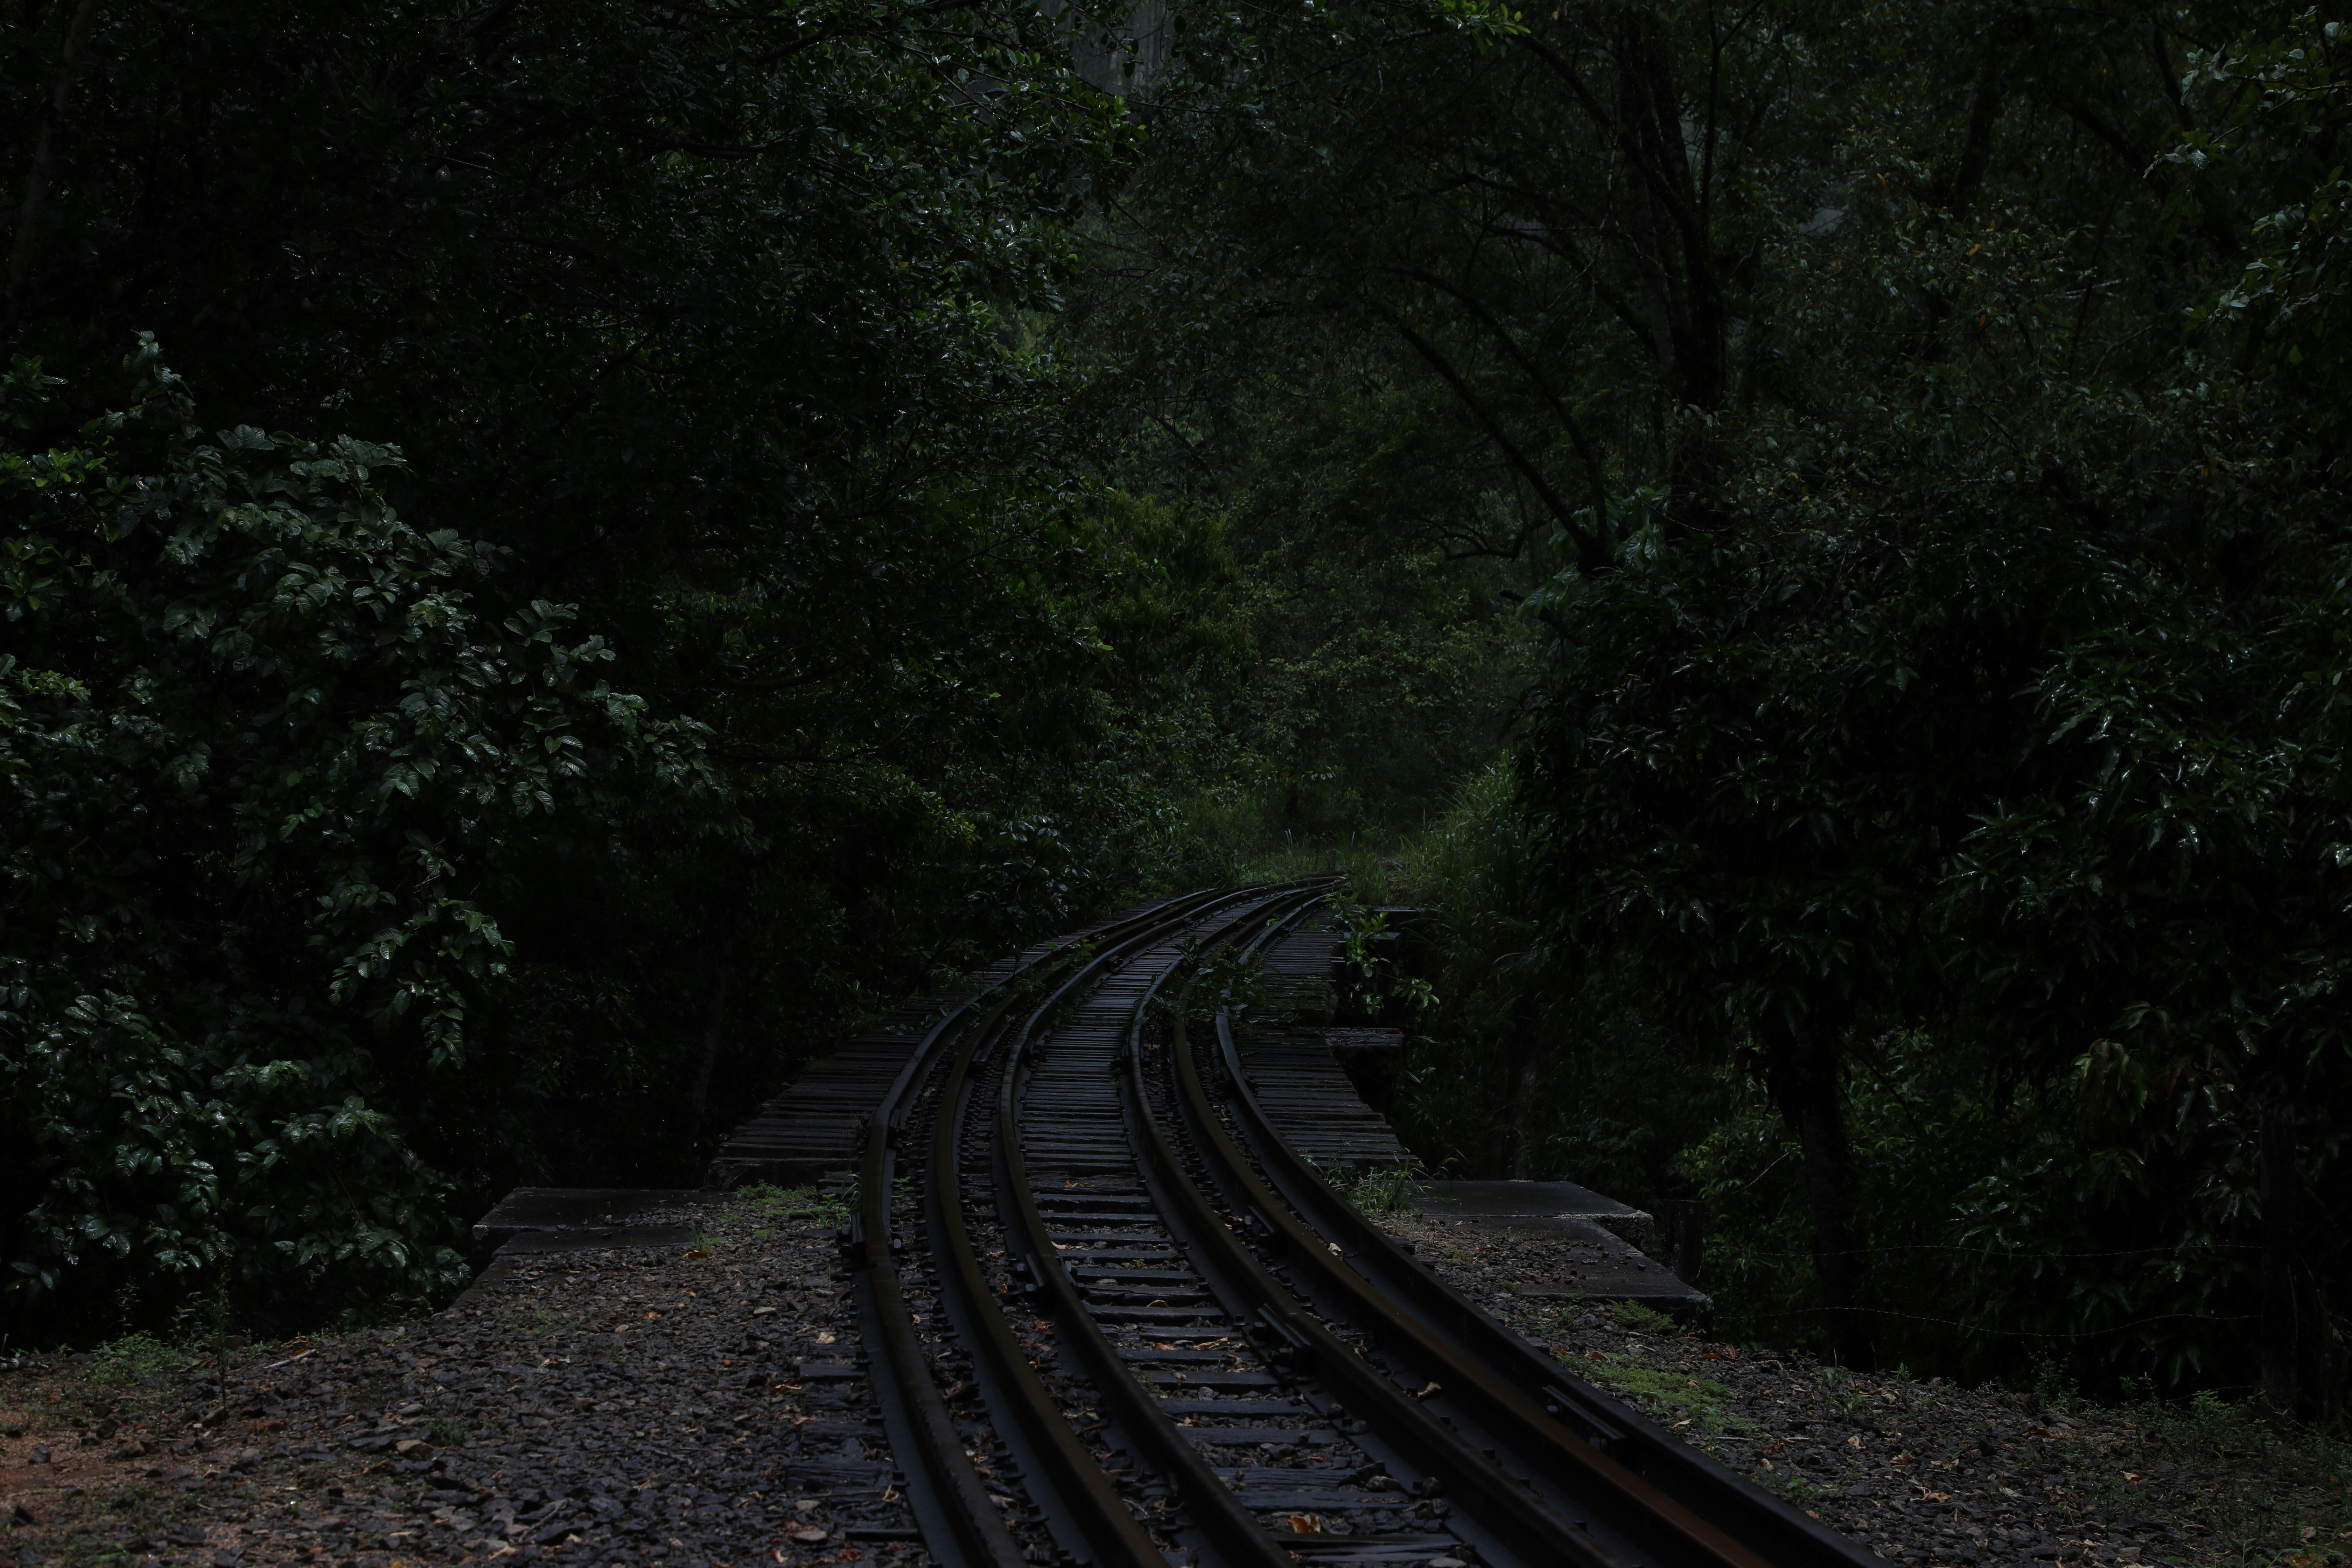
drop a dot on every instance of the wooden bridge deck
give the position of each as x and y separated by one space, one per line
1290 1064
810 1131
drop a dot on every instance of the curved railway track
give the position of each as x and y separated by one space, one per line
1112 1318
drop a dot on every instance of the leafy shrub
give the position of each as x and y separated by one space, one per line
1387 1189
133 1358
1640 1319
262 747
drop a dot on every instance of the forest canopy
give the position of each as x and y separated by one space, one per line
560 555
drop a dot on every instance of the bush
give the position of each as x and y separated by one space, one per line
262 750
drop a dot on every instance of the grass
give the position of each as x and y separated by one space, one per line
1386 1189
1379 870
773 1203
134 1381
536 1321
135 1358
1684 1399
1640 1319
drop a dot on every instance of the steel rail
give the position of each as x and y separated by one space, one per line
1542 1467
1220 1516
1526 1522
1773 1528
1055 1461
944 1490
1663 1528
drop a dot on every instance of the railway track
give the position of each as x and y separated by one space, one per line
1112 1318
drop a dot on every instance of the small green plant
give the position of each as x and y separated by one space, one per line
1386 1189
135 1358
538 1321
1700 1399
1640 1319
768 1202
1837 1386
1373 982
447 1433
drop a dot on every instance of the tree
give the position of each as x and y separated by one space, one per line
266 746
1934 642
723 321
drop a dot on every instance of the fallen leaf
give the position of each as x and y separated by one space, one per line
1305 1524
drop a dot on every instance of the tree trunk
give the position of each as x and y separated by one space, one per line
36 179
1806 1086
2277 1192
1682 1234
700 1098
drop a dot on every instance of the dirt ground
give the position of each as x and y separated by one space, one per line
695 1407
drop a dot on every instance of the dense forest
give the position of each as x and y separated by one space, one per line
558 555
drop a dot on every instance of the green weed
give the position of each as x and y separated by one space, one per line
1387 1189
536 1321
1673 1392
1640 1319
135 1358
768 1202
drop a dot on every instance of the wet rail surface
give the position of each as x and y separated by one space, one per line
1111 1317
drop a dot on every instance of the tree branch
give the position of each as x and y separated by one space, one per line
1591 556
1593 473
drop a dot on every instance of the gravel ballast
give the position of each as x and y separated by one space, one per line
1919 1471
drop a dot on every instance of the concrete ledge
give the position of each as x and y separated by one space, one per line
1566 1258
566 1219
1536 1200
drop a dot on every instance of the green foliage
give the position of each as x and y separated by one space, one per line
135 1358
725 331
1226 980
807 1205
264 744
1640 1319
1912 435
1676 1396
1385 1189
